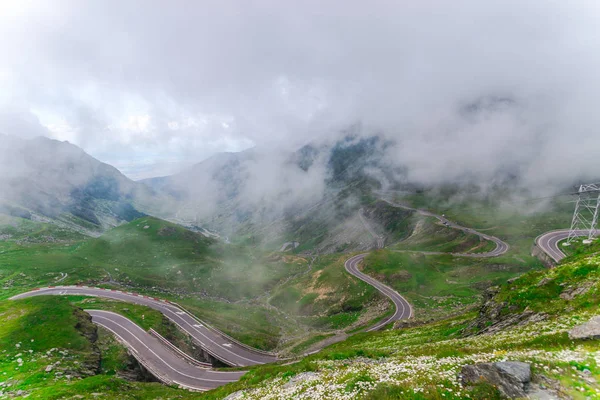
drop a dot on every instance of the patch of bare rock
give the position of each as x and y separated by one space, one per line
513 379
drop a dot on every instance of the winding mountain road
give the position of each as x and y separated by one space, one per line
403 307
215 343
171 368
501 246
548 242
162 362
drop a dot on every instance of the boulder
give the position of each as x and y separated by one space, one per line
589 330
512 378
520 370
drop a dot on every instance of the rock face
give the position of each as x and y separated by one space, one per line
589 330
512 378
572 292
494 318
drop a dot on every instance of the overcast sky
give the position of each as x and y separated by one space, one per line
149 86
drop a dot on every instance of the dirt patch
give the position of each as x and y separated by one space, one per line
323 291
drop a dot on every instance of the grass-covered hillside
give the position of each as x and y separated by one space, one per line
272 300
501 212
153 253
526 319
219 282
328 300
428 234
50 350
438 285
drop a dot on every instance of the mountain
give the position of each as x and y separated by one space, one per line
56 181
264 196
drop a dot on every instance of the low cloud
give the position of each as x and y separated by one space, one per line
465 90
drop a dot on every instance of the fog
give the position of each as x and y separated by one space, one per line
465 90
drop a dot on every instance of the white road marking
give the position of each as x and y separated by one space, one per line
149 349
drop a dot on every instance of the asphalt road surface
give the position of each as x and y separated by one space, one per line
403 308
158 359
218 345
548 242
501 246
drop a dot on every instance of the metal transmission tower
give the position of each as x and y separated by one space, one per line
585 217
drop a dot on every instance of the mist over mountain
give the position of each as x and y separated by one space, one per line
463 89
45 179
381 97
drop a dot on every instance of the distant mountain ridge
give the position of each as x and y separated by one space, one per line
257 192
47 179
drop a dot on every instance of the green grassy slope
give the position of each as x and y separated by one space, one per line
219 282
516 220
429 234
150 253
531 317
327 297
438 285
49 350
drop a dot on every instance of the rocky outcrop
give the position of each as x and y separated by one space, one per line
536 251
512 378
589 330
495 316
573 291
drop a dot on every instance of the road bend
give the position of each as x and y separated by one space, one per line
403 307
501 246
158 359
548 242
215 343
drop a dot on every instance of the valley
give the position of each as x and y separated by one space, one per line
272 200
414 266
208 286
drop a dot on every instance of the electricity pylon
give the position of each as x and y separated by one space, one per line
585 217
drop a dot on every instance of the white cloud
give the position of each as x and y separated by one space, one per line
189 80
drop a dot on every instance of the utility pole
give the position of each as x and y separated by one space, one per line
587 207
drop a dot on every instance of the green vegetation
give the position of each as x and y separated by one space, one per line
145 317
51 350
572 286
499 213
439 285
259 297
422 362
159 258
414 363
114 355
327 297
430 235
25 231
304 345
153 253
